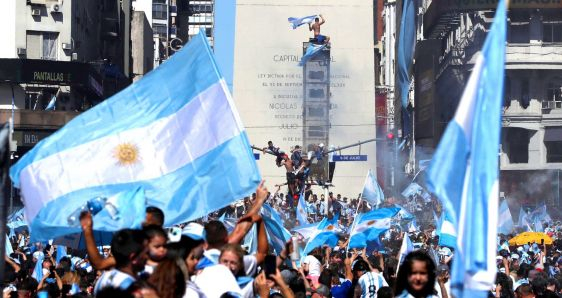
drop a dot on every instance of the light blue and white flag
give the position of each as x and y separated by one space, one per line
61 253
176 132
372 192
524 219
277 234
406 247
505 220
465 167
404 214
9 248
447 232
368 226
302 215
51 105
16 220
406 46
412 189
325 232
311 51
413 227
297 22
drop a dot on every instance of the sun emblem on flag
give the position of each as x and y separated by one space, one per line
371 222
330 227
126 154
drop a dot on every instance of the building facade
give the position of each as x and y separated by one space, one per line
268 83
531 148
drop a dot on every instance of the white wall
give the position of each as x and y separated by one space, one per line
264 39
7 32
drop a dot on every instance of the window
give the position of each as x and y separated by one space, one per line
552 32
160 29
554 90
519 32
160 11
516 144
41 45
553 151
525 97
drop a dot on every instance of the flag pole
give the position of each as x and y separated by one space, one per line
4 165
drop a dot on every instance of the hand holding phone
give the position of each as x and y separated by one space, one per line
270 265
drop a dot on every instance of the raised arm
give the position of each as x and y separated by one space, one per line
322 20
97 261
245 223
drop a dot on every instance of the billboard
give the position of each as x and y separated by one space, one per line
268 83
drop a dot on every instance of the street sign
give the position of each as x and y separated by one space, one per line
350 158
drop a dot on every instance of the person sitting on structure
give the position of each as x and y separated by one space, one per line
316 28
275 151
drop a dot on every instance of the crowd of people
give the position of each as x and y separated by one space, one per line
204 259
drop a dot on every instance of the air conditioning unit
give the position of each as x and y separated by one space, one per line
66 46
55 7
36 12
22 51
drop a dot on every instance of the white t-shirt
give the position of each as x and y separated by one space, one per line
370 283
313 265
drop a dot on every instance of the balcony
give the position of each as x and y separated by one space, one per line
534 56
28 119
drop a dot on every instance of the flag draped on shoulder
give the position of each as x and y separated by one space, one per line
372 191
297 22
465 167
175 132
368 226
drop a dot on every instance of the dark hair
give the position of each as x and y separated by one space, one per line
152 231
215 234
524 290
385 292
182 248
316 19
405 271
507 285
124 243
157 214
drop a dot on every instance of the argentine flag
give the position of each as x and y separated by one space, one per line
368 226
175 132
302 216
505 220
277 234
372 191
297 22
51 105
447 232
325 232
465 167
311 51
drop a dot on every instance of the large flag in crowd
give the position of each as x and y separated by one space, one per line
372 192
175 132
368 226
464 169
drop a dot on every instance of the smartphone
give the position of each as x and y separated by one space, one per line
270 265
